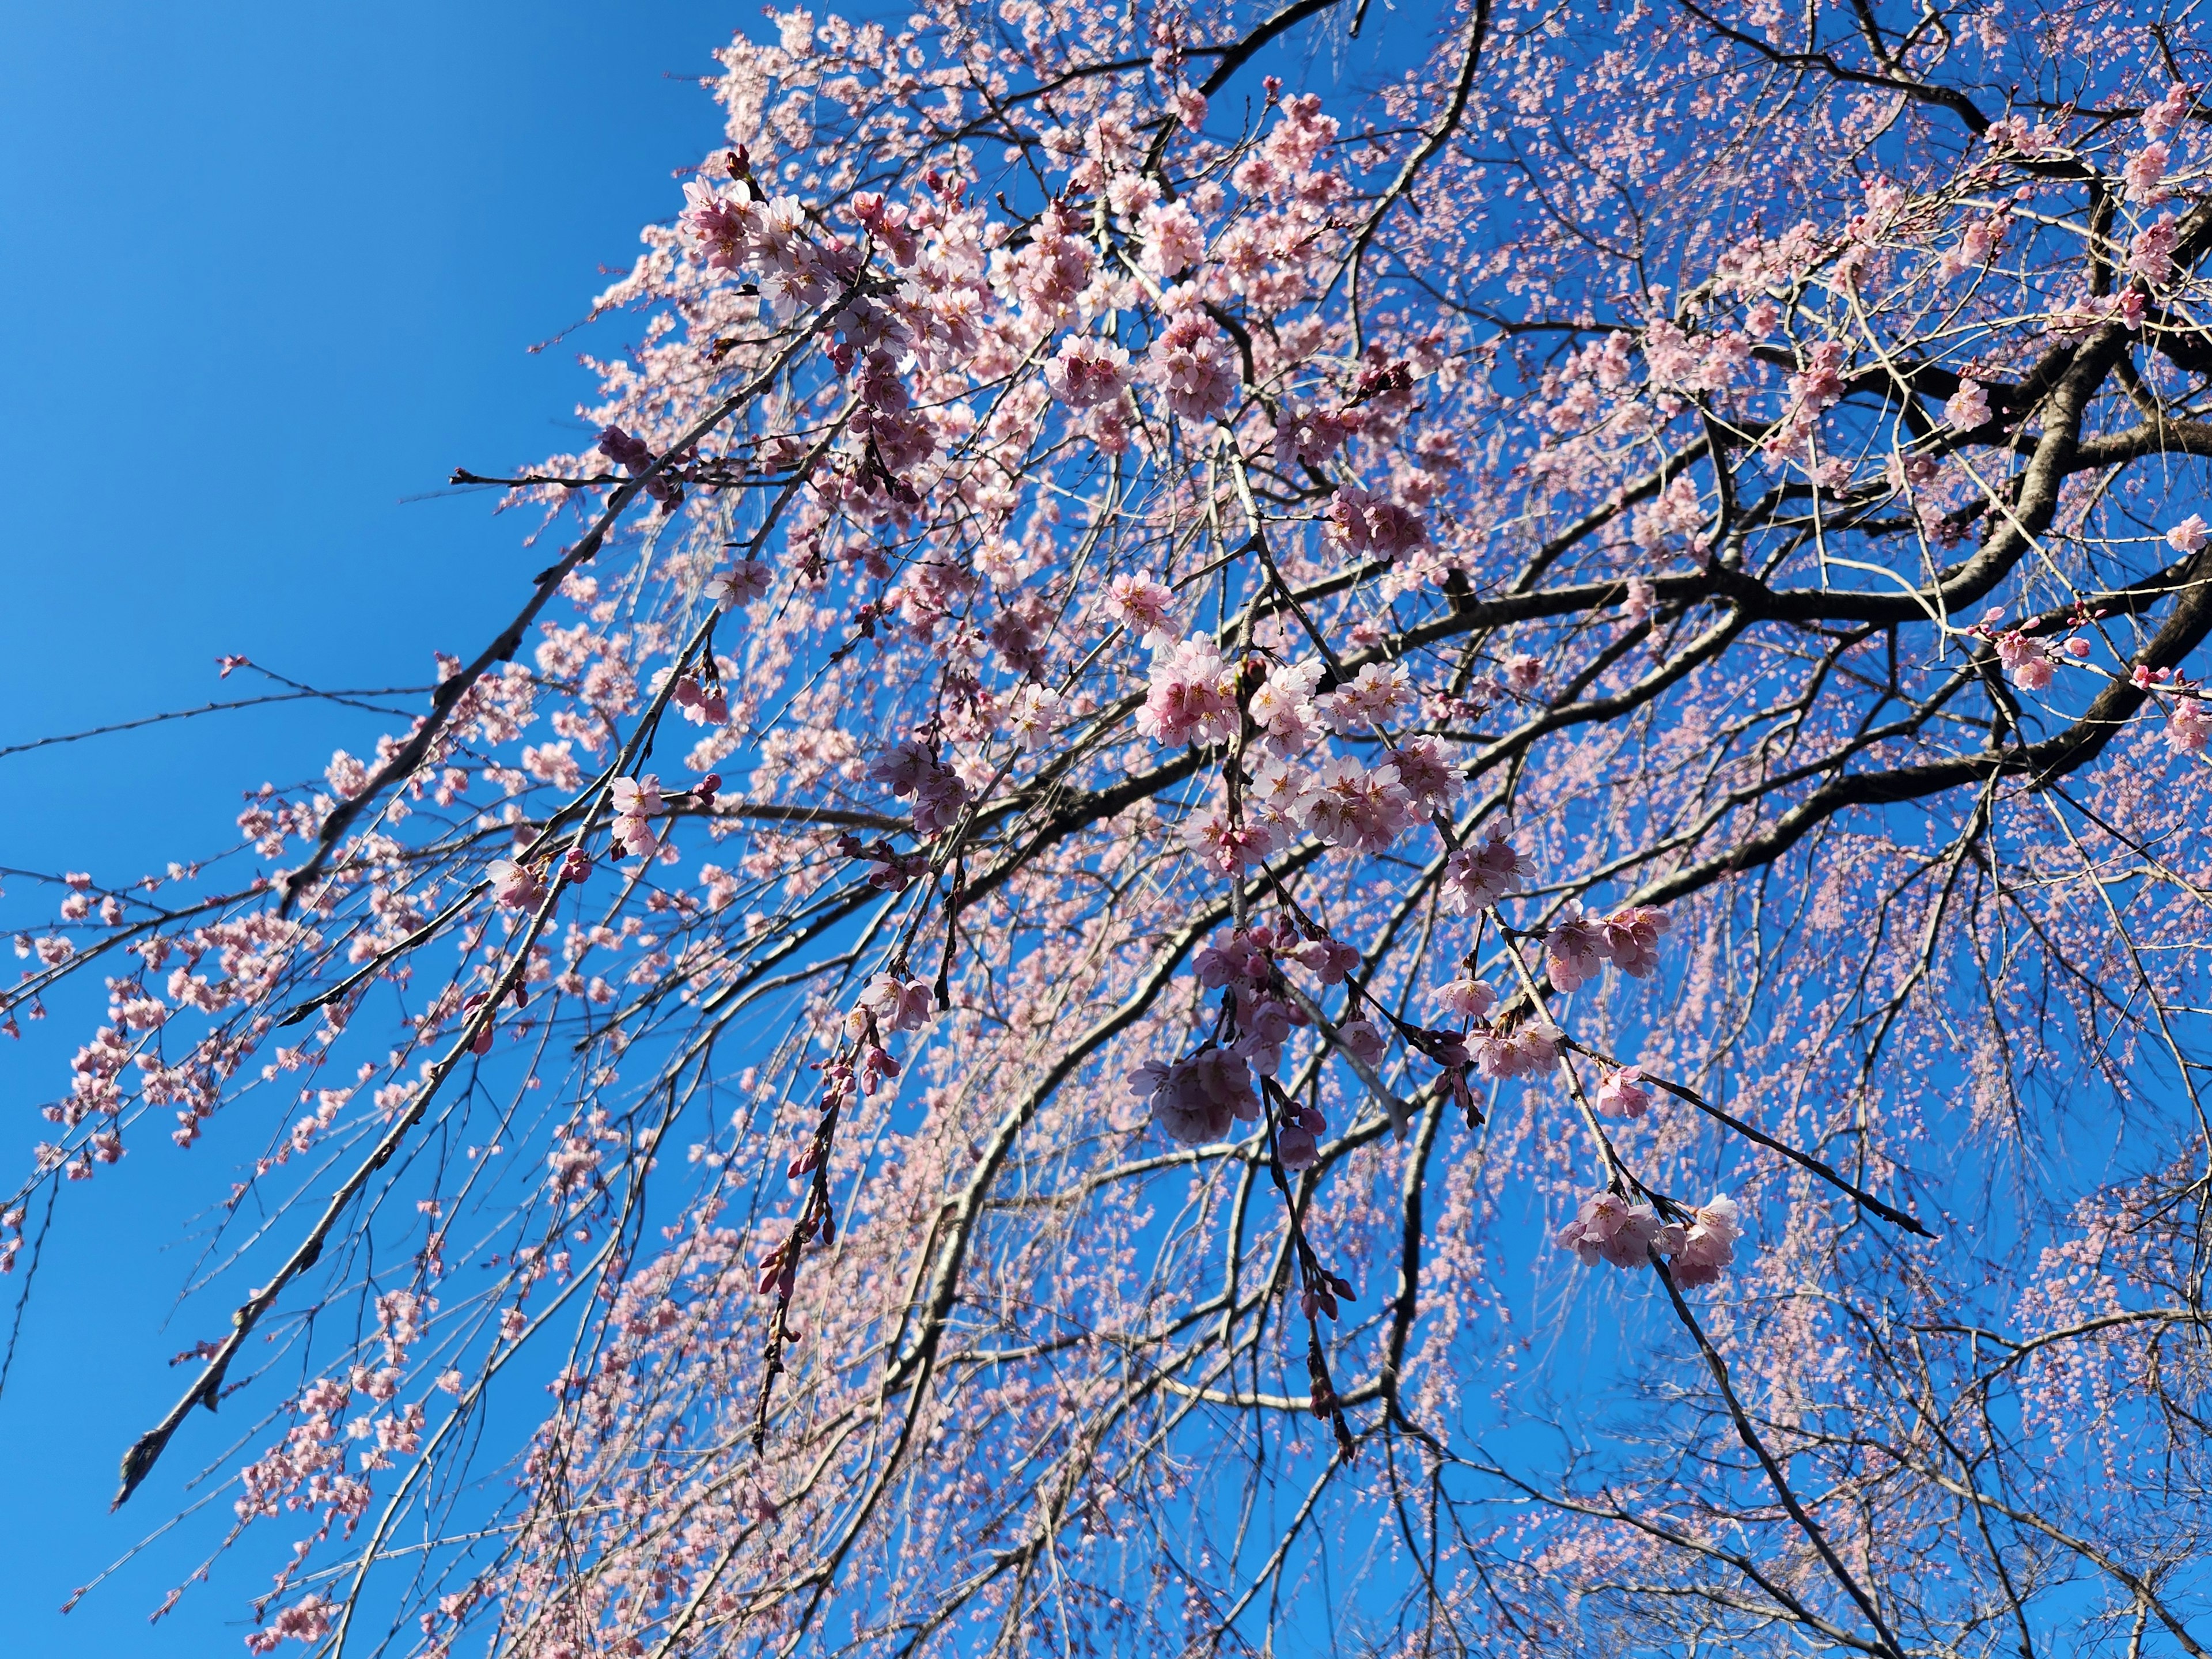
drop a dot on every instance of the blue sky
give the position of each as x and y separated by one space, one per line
271 271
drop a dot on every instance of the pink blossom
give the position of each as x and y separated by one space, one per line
1631 939
1373 526
517 886
308 1620
1198 1100
637 798
2189 723
347 775
1532 1050
1331 961
1283 707
1622 1093
2190 535
1574 950
1087 370
903 768
2151 256
909 769
1139 603
1609 1228
2144 171
899 1005
1968 408
1373 699
722 228
2014 133
1643 600
1227 846
2169 111
1266 1020
1677 511
1310 437
888 223
1710 1242
1172 237
1193 364
1193 696
1820 386
1049 275
1298 1140
2026 660
739 585
1241 956
1030 713
1426 771
1348 806
702 705
1363 1040
1469 999
1476 878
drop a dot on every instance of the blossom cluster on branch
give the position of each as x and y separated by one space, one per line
1185 741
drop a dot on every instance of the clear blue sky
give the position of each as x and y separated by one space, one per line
269 270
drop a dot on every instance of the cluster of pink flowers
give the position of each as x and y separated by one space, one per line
1374 699
1528 1050
2150 255
1197 1100
1477 877
2145 172
701 704
2163 118
1193 362
1678 511
1193 697
1372 525
1247 954
637 801
1583 941
1311 436
1284 708
2189 722
308 1620
1140 604
1968 408
625 451
738 232
1087 370
1467 998
1623 1094
1173 239
740 584
1227 844
1609 1228
1050 275
1354 806
1298 1136
898 1005
516 886
2028 661
910 769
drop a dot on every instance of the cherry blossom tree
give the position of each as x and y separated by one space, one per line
1418 869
